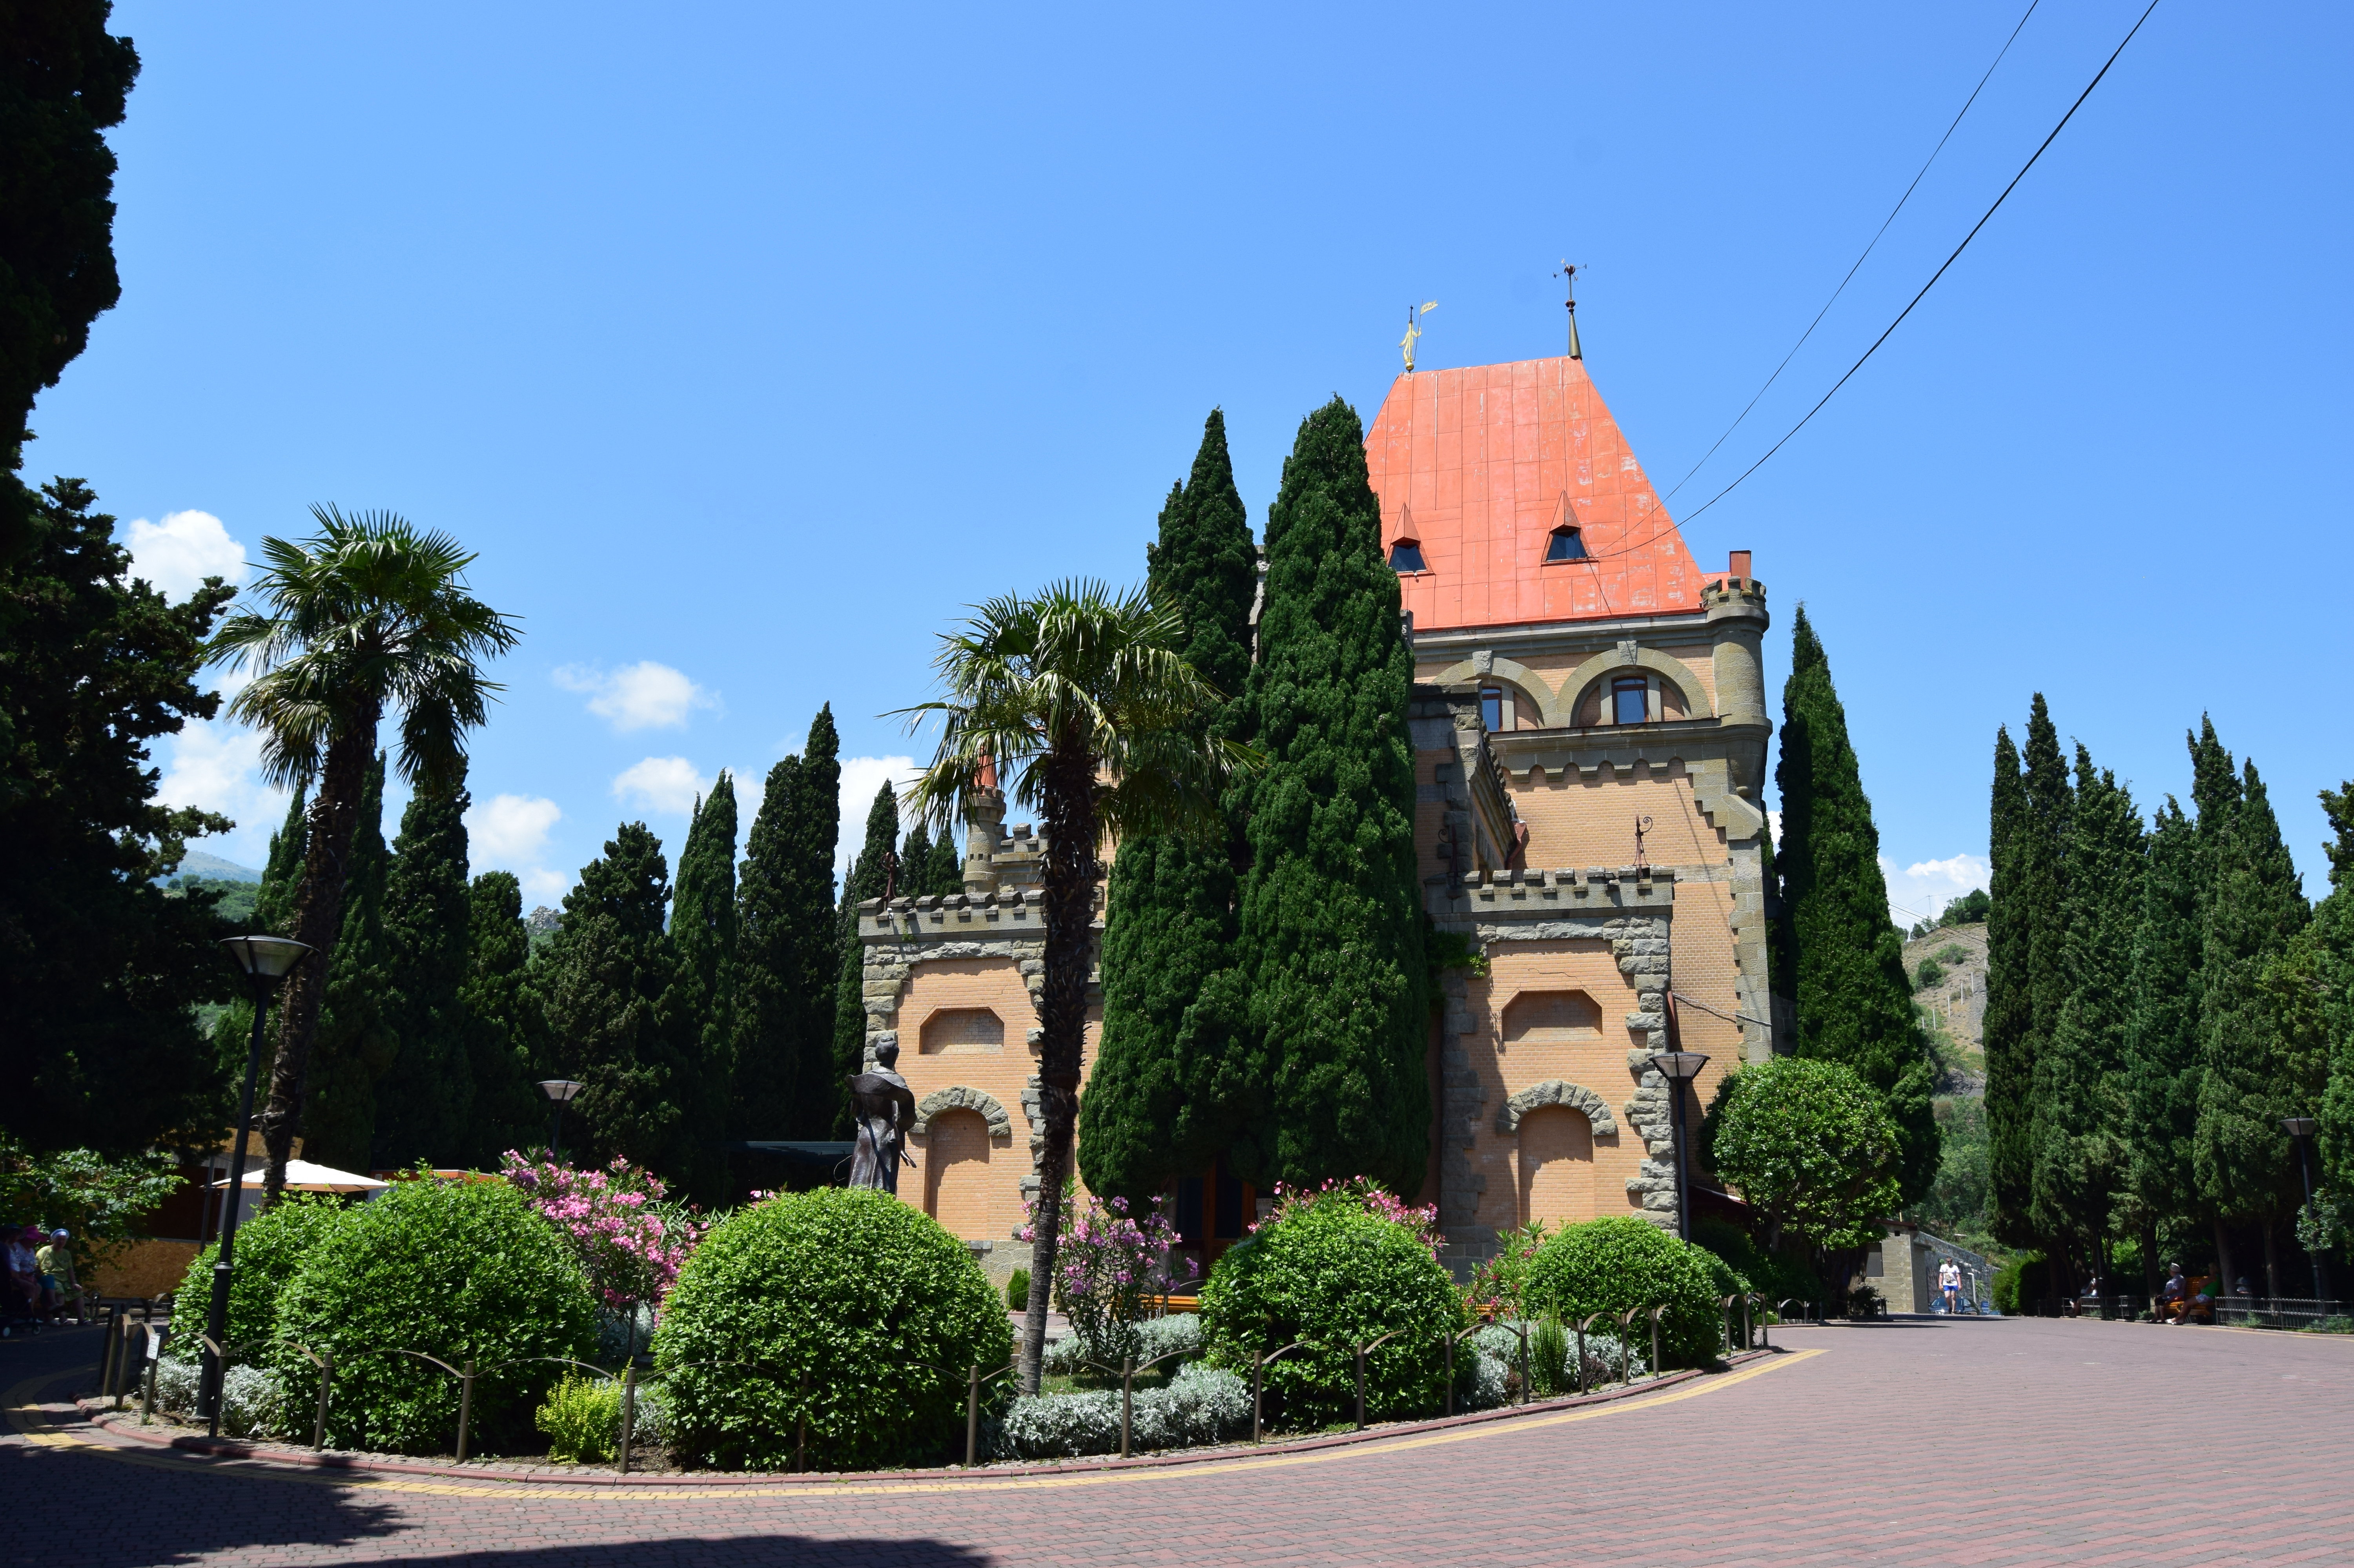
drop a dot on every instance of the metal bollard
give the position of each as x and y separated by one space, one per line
800 1431
1581 1356
1258 1386
628 1413
1656 1368
326 1364
1448 1341
465 1406
972 1415
1524 1360
1126 1404
155 1355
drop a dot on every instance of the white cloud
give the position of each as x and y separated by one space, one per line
179 552
862 776
215 766
667 784
644 695
540 886
1922 890
511 830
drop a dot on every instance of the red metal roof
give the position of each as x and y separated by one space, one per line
1480 465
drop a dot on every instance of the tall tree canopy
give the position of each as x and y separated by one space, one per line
788 948
2162 1065
1168 1092
611 1012
1330 931
2078 1127
702 942
425 1103
868 875
2026 959
2333 937
507 1024
1855 1001
356 1045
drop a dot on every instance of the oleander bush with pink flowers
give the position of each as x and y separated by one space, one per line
630 1237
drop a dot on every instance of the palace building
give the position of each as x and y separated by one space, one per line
1590 732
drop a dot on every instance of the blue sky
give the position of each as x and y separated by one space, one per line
748 343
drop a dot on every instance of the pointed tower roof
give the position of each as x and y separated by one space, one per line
1481 466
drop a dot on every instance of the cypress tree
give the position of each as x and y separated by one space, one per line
702 943
2162 1064
426 1100
355 1044
2078 1127
2010 1076
609 999
1330 933
788 942
1166 1094
2246 1166
507 1025
832 1096
2333 937
1854 1003
273 904
928 868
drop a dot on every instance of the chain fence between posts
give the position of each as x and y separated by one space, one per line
116 1358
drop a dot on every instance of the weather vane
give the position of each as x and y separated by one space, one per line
1568 276
1414 330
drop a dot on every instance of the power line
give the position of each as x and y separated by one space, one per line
1860 261
1940 273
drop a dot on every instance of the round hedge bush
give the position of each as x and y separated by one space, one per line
270 1247
867 1303
1335 1271
454 1269
1610 1265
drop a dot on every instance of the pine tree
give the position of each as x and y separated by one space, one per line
507 1025
702 942
2162 1069
609 999
1855 1001
2246 1168
273 905
1331 927
865 881
1166 1095
425 1103
355 1044
2008 1017
2078 1127
787 945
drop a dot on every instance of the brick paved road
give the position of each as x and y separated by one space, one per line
1990 1443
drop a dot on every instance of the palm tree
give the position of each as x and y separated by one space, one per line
370 616
1079 697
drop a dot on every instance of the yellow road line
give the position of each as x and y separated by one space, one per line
34 1424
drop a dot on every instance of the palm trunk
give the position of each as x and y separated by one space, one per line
1070 874
318 917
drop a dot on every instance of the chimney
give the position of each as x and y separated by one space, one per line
1740 566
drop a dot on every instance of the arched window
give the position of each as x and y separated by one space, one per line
1564 544
1491 708
1406 556
1551 1018
960 1030
1630 700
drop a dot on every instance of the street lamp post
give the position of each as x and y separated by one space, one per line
2300 1129
266 961
1680 1068
561 1091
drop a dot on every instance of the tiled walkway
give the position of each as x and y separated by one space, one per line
1927 1442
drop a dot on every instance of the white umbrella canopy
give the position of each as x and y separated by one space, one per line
303 1176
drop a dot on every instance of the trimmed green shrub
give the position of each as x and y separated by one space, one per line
1610 1265
847 1306
1200 1404
582 1418
270 1247
1335 1269
456 1270
1017 1290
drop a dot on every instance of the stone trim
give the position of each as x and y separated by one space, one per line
1556 1092
959 1097
1486 665
1627 654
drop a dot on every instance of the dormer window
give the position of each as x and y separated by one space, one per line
1564 544
1406 556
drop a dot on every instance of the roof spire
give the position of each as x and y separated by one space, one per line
1568 275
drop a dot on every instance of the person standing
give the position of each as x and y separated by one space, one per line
1949 1285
